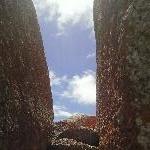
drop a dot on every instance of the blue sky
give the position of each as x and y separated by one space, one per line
68 37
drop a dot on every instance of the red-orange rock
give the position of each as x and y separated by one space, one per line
77 121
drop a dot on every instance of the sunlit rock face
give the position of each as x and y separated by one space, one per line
122 29
25 96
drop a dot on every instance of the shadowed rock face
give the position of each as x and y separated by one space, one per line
122 30
70 144
76 133
25 97
84 135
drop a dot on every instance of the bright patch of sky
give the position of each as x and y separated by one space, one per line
66 12
68 37
78 87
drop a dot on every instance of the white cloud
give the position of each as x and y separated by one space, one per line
78 88
82 88
61 111
66 12
91 55
55 80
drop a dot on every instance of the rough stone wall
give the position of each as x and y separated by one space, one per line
122 30
25 96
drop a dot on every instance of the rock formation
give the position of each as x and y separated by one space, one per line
122 29
25 96
76 133
70 144
83 135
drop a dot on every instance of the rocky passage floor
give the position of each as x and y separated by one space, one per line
80 139
70 144
74 136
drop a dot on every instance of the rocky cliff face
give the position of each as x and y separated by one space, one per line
25 97
122 30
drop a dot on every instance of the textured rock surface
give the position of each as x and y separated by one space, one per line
122 30
25 98
83 121
84 135
70 144
76 122
75 133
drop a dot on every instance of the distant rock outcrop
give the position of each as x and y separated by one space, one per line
26 113
122 30
82 121
76 121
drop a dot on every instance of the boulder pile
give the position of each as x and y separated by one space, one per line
75 134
